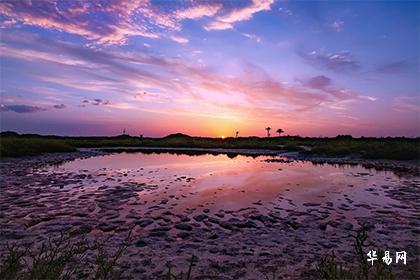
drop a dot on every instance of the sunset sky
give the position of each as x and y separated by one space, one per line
210 68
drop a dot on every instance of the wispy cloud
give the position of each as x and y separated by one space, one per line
286 11
198 11
326 85
60 106
20 108
318 82
337 25
394 67
98 101
252 37
75 19
342 96
179 39
218 25
109 22
227 20
113 22
165 61
23 108
124 80
367 97
337 61
406 104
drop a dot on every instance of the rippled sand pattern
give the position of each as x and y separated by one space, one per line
240 215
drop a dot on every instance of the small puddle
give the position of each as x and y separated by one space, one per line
191 183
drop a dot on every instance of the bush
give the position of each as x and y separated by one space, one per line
329 269
293 147
397 149
63 258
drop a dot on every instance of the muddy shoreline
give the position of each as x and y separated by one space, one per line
403 167
243 243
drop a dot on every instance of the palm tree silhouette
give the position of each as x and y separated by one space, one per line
279 131
237 133
268 131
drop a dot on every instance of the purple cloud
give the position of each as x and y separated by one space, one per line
326 85
125 72
96 102
60 106
318 82
339 62
401 66
20 108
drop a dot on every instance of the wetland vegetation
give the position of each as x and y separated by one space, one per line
396 148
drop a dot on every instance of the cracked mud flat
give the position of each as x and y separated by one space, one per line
242 217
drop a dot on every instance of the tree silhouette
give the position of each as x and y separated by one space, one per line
268 131
279 131
237 133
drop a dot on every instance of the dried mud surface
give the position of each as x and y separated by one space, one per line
283 234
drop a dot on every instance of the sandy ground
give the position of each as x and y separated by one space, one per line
245 243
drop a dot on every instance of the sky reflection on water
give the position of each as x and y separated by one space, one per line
220 182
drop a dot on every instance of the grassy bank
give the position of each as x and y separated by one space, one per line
22 146
12 144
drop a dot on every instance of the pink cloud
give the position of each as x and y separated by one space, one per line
226 21
179 39
198 11
218 25
174 83
79 18
124 18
